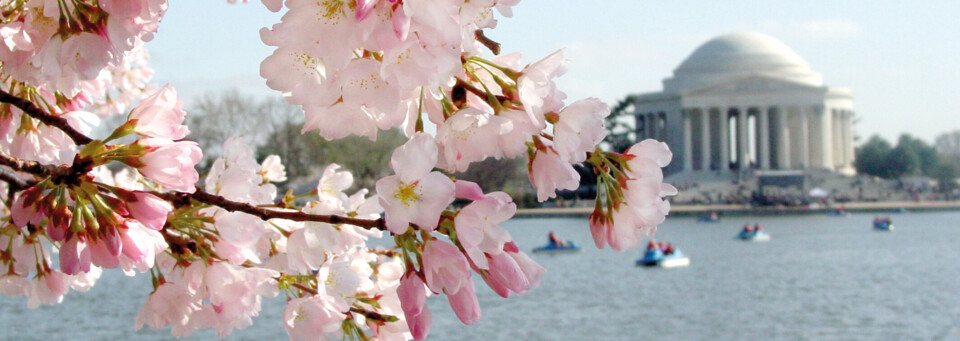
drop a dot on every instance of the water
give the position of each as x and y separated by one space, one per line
819 278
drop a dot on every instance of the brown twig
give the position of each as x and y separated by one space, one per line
34 111
15 182
486 41
265 214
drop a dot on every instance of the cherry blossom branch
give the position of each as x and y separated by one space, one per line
34 111
265 214
15 182
469 87
69 174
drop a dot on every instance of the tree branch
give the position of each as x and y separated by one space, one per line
71 174
15 182
265 214
34 111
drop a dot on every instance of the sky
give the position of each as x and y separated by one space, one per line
900 60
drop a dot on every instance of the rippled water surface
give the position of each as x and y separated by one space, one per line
819 278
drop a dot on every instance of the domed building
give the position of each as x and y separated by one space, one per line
745 101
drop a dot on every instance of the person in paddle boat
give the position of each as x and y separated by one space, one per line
747 228
669 250
652 245
714 216
756 227
553 240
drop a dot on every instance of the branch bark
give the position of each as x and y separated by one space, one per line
265 214
34 111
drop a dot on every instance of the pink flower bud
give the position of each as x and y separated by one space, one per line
445 267
25 208
105 250
74 256
150 210
413 296
507 273
465 304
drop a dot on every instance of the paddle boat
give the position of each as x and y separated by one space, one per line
557 248
883 224
712 218
656 258
753 236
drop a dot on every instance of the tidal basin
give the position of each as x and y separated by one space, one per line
819 278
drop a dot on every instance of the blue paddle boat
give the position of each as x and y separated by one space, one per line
883 224
556 248
656 258
753 236
713 218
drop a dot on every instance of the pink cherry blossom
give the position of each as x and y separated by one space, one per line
141 244
299 74
648 153
470 135
477 226
312 318
579 129
414 195
171 164
338 121
549 173
514 142
170 303
235 294
537 91
272 169
86 54
47 289
160 115
332 184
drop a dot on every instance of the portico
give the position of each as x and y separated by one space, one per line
745 101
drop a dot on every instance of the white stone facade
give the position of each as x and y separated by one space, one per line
746 101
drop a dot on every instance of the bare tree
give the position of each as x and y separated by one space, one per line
215 117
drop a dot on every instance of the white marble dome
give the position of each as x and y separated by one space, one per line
737 55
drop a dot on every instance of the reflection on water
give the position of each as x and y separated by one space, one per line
818 278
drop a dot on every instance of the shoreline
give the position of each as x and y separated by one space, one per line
730 210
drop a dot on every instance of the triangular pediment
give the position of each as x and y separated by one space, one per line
754 84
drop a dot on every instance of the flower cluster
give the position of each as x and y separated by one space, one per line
215 250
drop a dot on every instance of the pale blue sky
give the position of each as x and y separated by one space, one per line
900 60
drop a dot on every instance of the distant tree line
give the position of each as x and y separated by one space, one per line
912 157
